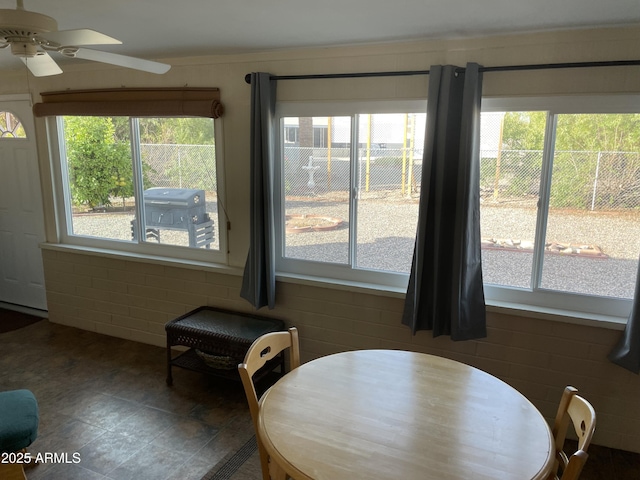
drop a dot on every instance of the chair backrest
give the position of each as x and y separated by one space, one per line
579 411
262 350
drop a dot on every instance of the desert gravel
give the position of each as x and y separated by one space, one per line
386 230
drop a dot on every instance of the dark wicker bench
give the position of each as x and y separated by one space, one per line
218 341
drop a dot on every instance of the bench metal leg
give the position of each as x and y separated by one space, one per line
169 375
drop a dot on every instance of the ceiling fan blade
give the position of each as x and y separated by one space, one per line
122 60
42 65
82 36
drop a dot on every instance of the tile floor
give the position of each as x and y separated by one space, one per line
106 399
608 464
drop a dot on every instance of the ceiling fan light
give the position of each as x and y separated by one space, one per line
24 50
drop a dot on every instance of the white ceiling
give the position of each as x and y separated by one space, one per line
157 29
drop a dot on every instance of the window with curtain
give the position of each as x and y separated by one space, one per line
560 197
560 211
348 184
145 184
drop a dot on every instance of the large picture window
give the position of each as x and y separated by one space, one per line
141 184
560 198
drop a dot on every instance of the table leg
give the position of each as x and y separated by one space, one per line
276 471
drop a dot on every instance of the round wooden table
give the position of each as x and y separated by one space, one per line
391 414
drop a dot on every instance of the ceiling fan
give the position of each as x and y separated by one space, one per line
31 35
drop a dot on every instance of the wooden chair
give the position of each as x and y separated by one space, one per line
575 408
261 351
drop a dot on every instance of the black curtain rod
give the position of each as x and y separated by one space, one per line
505 68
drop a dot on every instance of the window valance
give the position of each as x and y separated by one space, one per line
132 102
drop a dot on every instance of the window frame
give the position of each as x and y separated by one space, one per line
345 274
138 246
539 298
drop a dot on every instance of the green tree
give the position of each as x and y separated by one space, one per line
578 132
188 156
522 145
598 132
583 143
99 161
178 131
606 143
523 130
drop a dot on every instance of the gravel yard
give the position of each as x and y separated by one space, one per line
386 230
117 226
386 233
617 234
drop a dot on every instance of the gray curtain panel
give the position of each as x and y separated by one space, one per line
445 292
259 280
627 352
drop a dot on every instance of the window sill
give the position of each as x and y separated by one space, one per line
506 308
358 287
145 258
553 314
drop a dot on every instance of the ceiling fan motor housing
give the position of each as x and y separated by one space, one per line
20 27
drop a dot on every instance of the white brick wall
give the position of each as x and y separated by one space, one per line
134 300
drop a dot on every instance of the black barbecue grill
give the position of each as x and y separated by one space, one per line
177 209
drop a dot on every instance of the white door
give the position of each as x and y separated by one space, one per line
21 213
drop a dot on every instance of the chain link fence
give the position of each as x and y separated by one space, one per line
510 174
581 179
584 180
319 171
179 166
596 180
